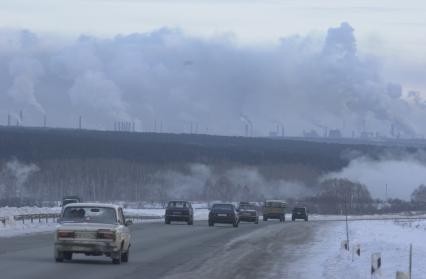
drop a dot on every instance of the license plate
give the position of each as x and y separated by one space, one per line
222 215
85 235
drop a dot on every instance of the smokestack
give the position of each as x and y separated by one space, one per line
8 119
133 126
80 120
246 130
44 121
21 116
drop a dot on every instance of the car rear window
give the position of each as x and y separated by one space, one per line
178 204
247 207
274 204
104 215
222 207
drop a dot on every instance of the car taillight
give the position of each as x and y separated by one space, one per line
66 234
106 235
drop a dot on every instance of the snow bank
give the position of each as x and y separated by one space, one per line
325 258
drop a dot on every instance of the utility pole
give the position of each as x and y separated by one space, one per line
386 192
346 219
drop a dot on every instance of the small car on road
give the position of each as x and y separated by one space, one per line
223 213
299 213
179 211
248 212
274 209
92 229
70 199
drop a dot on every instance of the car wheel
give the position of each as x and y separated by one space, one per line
256 221
265 218
59 256
67 256
306 219
116 257
167 221
235 224
211 224
293 219
191 221
125 256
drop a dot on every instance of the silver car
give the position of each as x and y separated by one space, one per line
92 229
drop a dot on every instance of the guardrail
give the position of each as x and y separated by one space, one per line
45 217
37 217
142 217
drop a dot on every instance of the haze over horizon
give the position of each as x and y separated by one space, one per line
295 64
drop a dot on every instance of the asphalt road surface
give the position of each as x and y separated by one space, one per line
171 252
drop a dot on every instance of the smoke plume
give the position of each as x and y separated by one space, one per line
168 76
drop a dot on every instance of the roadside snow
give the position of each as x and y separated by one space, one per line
325 259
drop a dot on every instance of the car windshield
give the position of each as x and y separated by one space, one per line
104 215
222 207
178 204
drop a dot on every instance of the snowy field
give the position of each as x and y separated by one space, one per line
324 258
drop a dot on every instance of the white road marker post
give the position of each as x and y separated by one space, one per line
376 264
410 262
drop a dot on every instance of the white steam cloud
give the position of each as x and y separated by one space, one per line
401 174
303 82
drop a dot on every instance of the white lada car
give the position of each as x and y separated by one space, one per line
92 229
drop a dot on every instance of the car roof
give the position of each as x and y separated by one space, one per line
92 204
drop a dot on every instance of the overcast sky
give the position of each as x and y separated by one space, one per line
389 35
396 24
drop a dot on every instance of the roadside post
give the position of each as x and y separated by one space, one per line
376 264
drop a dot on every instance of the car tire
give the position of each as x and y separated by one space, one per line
293 219
256 221
67 256
265 218
116 257
167 221
235 224
191 221
125 256
306 219
211 224
59 256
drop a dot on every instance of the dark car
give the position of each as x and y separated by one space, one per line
70 199
248 212
299 213
179 211
223 213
